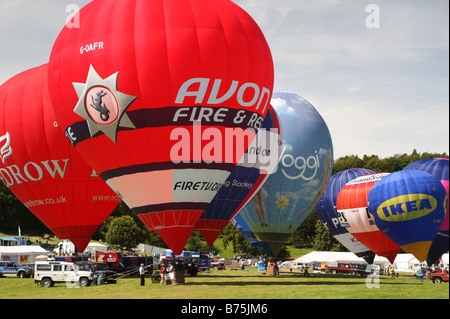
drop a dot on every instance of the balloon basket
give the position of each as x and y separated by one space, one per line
270 271
175 278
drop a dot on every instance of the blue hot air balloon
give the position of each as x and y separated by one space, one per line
304 169
326 210
438 167
409 208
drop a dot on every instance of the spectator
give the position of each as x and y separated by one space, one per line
142 274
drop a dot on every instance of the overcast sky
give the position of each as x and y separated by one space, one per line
376 70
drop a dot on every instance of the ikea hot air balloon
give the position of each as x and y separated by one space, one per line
409 207
438 167
260 160
40 166
304 169
326 211
351 205
162 98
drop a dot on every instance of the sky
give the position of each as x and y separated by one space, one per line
376 70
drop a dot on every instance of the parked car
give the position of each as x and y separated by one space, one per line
12 268
100 270
438 276
218 265
341 268
47 273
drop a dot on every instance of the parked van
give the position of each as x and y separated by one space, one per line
47 273
65 247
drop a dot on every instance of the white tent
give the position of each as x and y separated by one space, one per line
315 256
402 262
331 257
22 254
445 259
338 257
406 262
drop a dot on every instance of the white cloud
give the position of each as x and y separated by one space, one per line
281 107
381 91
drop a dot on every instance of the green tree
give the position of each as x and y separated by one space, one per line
347 162
303 237
324 241
123 232
232 236
198 244
13 214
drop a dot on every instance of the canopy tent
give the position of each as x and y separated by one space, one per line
406 263
22 254
337 257
402 262
315 256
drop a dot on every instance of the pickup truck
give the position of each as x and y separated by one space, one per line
11 268
438 276
342 268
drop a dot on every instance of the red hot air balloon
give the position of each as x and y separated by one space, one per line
162 98
351 205
41 167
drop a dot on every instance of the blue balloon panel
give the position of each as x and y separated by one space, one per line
303 172
409 208
438 167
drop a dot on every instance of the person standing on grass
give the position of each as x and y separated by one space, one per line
306 273
163 274
142 274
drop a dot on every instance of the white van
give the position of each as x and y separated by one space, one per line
47 273
64 247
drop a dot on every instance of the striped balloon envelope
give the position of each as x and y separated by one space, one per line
162 98
260 160
326 211
351 205
438 167
40 166
409 207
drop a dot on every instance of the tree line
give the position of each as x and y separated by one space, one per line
123 228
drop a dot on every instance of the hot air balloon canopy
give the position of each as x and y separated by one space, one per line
438 167
409 207
260 160
351 206
40 166
304 170
326 211
165 103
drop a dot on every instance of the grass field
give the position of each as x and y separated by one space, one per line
237 284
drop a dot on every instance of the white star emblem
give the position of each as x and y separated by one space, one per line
102 105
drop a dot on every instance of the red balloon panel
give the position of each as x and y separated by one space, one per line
169 65
43 169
